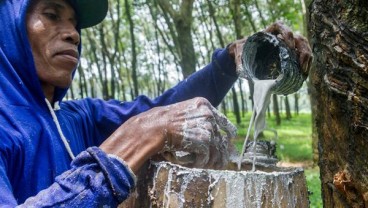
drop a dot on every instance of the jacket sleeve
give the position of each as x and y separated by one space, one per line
6 196
212 82
94 180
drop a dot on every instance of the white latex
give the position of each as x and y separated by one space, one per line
261 99
206 134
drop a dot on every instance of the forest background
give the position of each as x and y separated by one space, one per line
146 47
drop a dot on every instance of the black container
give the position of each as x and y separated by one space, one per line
267 57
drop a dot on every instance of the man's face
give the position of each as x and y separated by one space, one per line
51 27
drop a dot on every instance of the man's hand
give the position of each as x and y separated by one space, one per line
192 133
296 42
199 136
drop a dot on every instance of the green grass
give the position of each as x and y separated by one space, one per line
294 145
314 186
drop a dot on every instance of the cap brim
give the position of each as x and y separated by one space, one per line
90 13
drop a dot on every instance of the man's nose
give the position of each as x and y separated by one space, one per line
70 34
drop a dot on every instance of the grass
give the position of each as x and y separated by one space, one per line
294 145
314 186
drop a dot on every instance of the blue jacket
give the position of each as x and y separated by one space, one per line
35 168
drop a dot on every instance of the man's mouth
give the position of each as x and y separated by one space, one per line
71 54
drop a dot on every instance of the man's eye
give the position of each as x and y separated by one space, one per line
51 16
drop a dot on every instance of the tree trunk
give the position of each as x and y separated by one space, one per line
287 108
249 17
236 16
222 43
296 103
276 111
236 106
339 38
134 52
244 108
182 19
104 56
223 107
280 103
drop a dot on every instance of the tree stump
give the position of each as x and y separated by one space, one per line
168 185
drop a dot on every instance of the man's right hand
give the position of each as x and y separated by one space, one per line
192 133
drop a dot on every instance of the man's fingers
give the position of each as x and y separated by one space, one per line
305 53
218 151
221 153
305 60
207 143
214 157
205 134
224 123
283 32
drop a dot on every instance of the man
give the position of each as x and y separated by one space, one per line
85 153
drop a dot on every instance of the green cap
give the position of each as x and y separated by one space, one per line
90 12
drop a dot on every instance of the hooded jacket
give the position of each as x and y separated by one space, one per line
35 167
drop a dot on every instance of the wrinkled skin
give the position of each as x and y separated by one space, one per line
54 39
294 41
205 136
192 126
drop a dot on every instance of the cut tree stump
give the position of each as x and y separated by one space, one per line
165 184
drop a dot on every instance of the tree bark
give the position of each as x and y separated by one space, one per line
339 39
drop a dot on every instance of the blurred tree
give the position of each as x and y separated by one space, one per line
276 109
287 108
134 50
182 35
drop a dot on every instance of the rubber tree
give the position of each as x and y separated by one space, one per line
182 36
339 39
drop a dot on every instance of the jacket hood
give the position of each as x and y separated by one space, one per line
19 81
